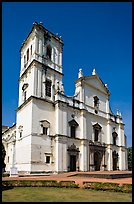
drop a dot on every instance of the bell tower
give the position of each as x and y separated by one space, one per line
41 64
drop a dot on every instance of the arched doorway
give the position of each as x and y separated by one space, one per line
96 161
115 160
73 153
72 162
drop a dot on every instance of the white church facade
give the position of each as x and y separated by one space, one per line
58 133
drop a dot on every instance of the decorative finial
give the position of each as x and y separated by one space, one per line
106 85
117 113
120 114
94 72
80 74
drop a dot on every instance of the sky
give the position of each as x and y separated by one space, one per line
95 35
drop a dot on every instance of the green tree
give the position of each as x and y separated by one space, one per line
3 156
129 153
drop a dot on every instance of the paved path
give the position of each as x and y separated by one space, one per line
70 176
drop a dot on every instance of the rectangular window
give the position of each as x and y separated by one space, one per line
25 96
48 88
47 159
73 131
114 140
96 133
20 134
27 54
31 50
45 130
8 159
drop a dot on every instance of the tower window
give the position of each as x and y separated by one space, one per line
73 131
49 50
114 134
45 126
45 130
25 95
21 134
48 88
31 50
96 102
28 54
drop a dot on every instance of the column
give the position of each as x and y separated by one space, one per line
57 155
83 124
58 120
83 166
110 160
39 82
40 47
109 133
36 44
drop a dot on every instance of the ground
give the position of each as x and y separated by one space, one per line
78 179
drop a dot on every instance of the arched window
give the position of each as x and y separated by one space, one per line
24 88
73 125
114 134
96 104
45 127
48 88
31 50
49 51
24 59
97 130
27 54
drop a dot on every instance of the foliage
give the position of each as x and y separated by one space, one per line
3 156
106 186
68 184
5 174
129 153
39 183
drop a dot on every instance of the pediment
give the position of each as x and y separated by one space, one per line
73 123
95 82
97 126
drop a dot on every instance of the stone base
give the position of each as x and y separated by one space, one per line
13 171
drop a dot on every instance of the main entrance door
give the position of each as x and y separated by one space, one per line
96 161
72 162
115 160
114 164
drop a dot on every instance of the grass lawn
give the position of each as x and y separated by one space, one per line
50 194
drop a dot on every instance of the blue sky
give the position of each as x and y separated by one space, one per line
95 34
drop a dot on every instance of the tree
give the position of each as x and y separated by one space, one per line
3 156
129 153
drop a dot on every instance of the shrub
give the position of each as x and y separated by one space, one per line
68 184
30 183
126 188
5 174
101 186
39 183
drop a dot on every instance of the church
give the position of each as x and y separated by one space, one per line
58 133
